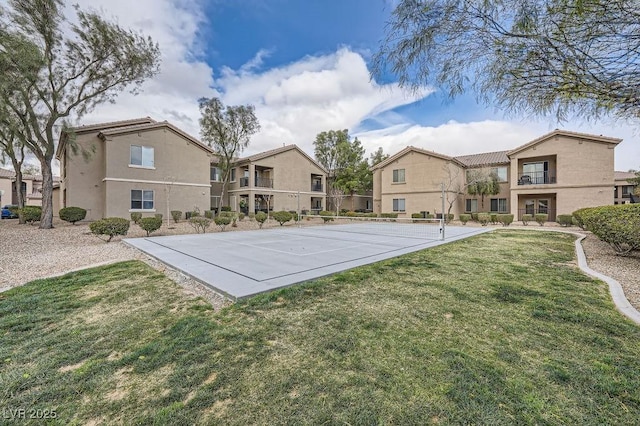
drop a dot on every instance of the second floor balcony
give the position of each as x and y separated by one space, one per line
537 178
316 186
258 182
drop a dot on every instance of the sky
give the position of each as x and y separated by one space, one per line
304 65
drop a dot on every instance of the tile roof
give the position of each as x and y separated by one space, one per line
558 132
623 175
112 124
414 149
265 154
6 173
484 159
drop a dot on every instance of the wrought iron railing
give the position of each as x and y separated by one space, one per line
537 178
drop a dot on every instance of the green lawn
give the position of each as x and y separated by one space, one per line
498 329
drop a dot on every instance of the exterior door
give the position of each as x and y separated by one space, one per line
530 207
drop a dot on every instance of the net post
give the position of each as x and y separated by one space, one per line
443 217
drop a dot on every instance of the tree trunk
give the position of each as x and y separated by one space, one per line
352 197
17 167
46 222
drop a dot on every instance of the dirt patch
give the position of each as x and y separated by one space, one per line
73 367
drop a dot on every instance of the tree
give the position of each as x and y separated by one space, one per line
344 159
227 130
480 183
453 185
377 157
539 56
51 68
11 147
635 181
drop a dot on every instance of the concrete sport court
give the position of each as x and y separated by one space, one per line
240 264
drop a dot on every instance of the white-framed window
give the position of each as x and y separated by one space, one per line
233 175
398 204
215 174
398 176
501 172
498 205
471 205
142 199
141 156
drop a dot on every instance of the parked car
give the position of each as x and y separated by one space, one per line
8 214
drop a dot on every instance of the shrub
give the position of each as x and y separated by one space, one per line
226 213
31 214
158 216
150 224
565 220
416 216
493 217
282 217
72 214
261 217
389 215
351 214
110 226
240 216
474 217
541 218
225 209
199 223
464 218
294 215
135 217
448 217
618 226
526 218
505 219
222 221
208 214
326 215
252 216
484 218
176 215
430 216
578 217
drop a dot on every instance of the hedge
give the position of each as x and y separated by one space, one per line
526 218
72 214
578 217
484 218
31 214
464 218
565 220
326 215
135 217
505 219
618 226
541 218
150 224
110 226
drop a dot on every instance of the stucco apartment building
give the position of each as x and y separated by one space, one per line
623 192
272 180
31 188
138 165
556 173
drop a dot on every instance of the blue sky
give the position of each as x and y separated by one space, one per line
304 65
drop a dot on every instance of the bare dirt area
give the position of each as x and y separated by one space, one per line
30 253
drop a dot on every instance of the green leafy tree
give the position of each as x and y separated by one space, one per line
377 156
482 184
540 56
227 130
635 181
12 148
52 69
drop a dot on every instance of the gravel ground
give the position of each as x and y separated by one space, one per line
30 253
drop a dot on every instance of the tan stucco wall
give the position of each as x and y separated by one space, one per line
505 191
5 185
584 173
422 187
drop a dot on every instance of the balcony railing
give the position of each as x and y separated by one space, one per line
536 178
316 186
259 182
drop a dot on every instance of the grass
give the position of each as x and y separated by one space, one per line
496 329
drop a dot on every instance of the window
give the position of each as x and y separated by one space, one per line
141 156
501 172
233 175
499 205
538 172
398 176
215 174
627 190
141 199
398 204
472 206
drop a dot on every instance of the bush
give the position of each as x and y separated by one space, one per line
326 215
351 214
430 216
150 224
618 226
72 214
448 217
484 218
199 223
135 217
565 220
578 217
110 226
252 216
225 209
208 214
389 215
31 214
282 217
474 217
240 216
541 218
222 221
505 219
226 213
294 215
158 216
464 218
261 217
176 215
526 218
493 217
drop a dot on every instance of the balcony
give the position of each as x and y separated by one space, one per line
316 186
537 178
259 182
